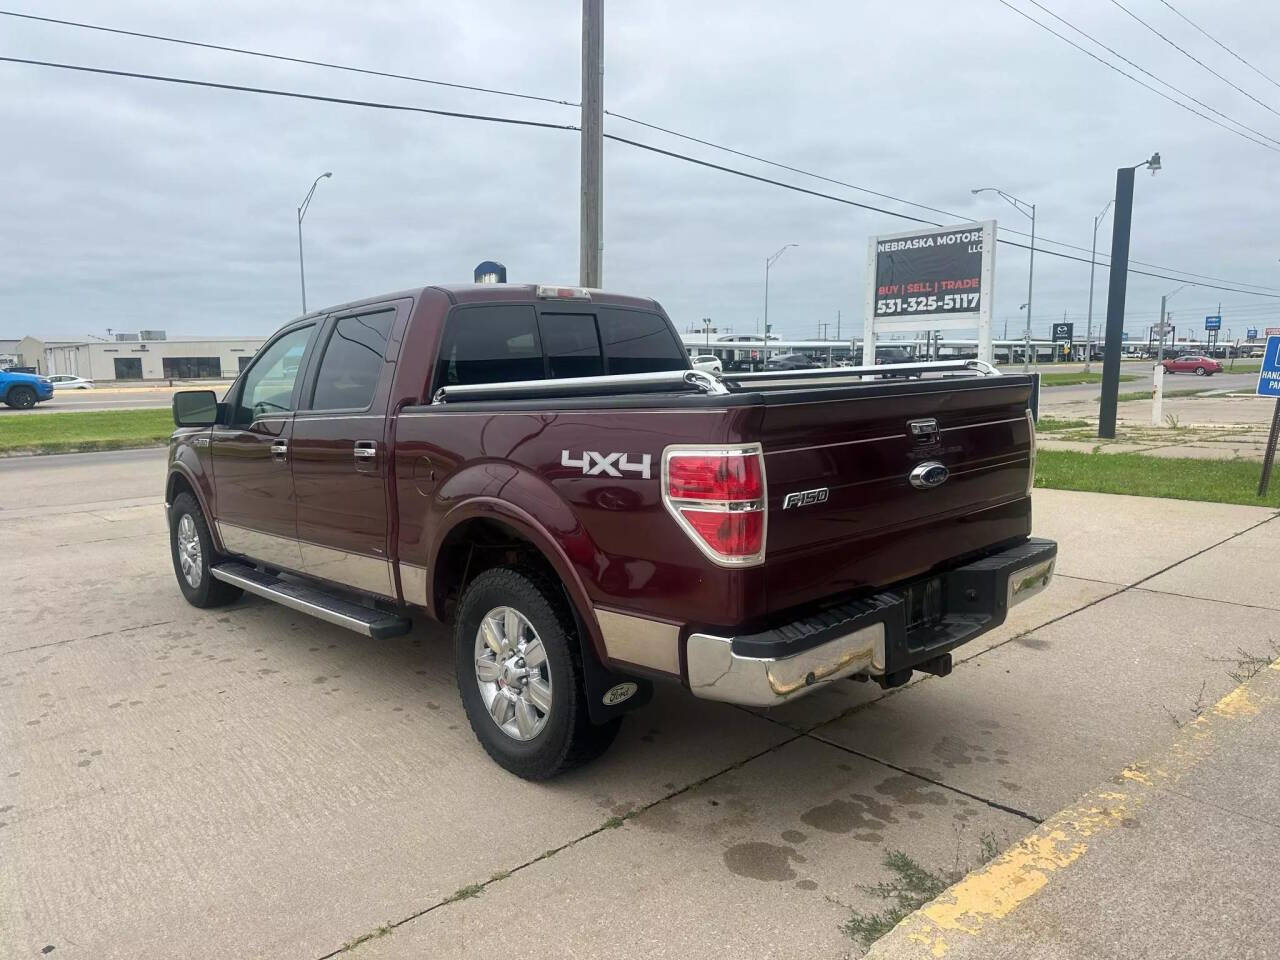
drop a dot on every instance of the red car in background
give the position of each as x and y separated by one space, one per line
1200 366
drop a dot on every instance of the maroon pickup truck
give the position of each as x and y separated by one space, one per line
541 467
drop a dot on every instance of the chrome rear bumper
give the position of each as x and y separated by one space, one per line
717 673
870 636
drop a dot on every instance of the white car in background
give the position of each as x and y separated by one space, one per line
64 381
708 362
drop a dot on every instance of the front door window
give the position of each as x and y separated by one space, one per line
268 386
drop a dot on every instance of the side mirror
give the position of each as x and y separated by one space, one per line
195 408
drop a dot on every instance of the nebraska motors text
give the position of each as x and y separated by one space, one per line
973 237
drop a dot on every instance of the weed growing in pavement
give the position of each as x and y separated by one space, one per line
988 848
1198 707
1172 420
381 931
1246 665
911 888
467 892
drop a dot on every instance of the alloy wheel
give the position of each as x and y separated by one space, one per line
189 551
513 673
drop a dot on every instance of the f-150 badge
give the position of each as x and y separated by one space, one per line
804 498
594 464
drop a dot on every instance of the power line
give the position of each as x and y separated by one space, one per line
826 196
282 57
267 91
380 105
1141 83
1220 43
1143 69
1193 57
1102 258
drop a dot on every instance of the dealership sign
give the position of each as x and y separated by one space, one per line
936 279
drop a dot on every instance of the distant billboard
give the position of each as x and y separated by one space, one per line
935 279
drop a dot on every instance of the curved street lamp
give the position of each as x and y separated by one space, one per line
1027 210
302 212
769 262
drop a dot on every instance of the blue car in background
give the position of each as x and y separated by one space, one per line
24 390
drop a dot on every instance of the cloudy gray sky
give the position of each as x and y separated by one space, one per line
130 204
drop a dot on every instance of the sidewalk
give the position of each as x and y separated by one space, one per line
1173 857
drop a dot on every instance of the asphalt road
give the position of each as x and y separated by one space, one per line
1225 382
247 782
114 398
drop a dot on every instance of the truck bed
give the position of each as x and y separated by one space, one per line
849 437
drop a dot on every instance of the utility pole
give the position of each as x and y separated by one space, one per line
837 324
591 228
1116 290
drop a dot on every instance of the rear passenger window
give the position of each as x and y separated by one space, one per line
352 362
570 343
637 342
490 345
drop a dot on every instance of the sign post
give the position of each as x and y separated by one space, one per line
937 279
1269 386
1063 333
1212 326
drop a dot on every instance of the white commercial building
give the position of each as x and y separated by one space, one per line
204 358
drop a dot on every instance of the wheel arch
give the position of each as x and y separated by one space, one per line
490 525
180 480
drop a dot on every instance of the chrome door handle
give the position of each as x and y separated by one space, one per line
365 451
280 450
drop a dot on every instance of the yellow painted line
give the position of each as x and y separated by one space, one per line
967 912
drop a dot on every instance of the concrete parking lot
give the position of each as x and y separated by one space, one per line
248 782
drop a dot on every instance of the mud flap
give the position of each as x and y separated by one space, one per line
609 694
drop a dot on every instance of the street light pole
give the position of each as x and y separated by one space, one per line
1160 330
768 263
302 212
1116 289
1093 262
1022 207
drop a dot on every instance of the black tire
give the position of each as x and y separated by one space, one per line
21 398
568 738
206 592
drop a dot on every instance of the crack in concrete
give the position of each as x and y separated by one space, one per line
94 636
1192 596
610 824
993 804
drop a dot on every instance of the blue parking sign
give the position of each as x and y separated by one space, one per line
1269 375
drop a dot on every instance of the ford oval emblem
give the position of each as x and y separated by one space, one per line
617 694
929 474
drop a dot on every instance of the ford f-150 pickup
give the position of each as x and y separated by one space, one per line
542 468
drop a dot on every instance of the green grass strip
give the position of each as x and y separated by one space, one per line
31 432
1071 379
1216 481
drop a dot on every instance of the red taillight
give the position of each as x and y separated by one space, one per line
728 534
726 477
717 495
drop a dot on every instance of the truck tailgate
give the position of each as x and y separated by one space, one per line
843 512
